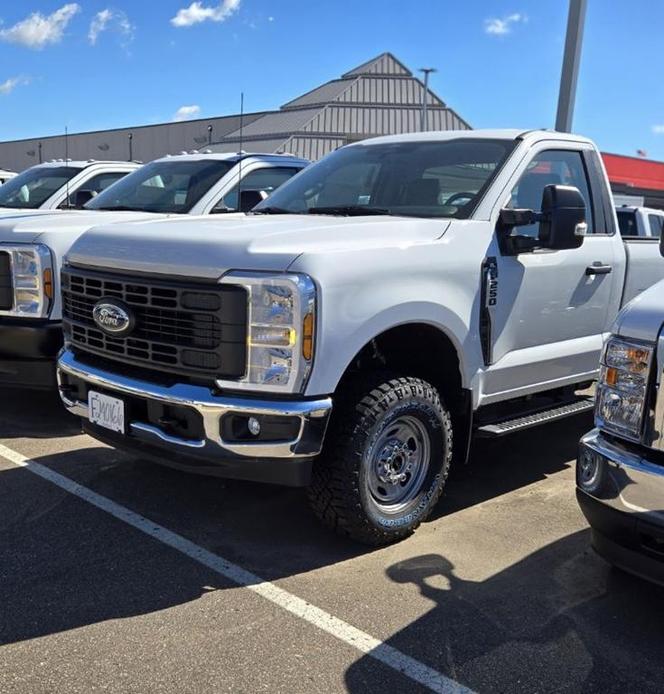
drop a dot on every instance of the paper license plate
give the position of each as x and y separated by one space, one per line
106 412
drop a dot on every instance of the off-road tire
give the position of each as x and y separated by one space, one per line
338 494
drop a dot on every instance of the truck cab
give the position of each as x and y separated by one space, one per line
620 466
32 246
59 185
357 329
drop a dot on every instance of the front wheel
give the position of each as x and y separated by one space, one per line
386 460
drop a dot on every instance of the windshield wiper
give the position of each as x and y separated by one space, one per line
271 210
350 210
116 208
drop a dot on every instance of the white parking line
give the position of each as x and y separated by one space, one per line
360 640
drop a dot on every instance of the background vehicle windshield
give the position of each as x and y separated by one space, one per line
162 186
420 179
34 187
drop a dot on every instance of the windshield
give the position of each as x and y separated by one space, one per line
162 186
444 178
34 187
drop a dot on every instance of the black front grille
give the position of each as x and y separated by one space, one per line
181 328
6 288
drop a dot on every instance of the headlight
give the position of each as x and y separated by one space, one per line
28 275
280 333
621 392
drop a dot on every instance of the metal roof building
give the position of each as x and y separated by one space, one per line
379 97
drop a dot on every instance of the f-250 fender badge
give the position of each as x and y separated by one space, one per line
489 300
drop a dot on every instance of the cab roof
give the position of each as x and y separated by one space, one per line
84 164
488 134
231 157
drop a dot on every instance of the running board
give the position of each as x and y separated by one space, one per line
511 426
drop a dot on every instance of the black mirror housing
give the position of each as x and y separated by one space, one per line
563 224
81 197
250 198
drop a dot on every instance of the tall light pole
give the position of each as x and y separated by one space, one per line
424 125
571 60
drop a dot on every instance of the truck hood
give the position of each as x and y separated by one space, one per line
10 213
206 247
45 228
642 318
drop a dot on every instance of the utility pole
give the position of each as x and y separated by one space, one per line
424 124
571 60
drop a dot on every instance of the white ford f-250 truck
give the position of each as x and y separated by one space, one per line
58 185
409 291
32 247
620 467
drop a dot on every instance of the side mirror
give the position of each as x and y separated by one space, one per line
80 197
563 223
250 198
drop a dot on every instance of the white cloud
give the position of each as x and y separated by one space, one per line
658 129
197 13
186 112
110 19
8 86
38 30
500 27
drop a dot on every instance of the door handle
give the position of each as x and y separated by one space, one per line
598 270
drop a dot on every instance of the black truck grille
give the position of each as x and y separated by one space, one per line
6 288
180 328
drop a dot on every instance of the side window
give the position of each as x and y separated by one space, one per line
655 222
558 167
96 184
267 179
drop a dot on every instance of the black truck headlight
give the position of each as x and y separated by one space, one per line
621 391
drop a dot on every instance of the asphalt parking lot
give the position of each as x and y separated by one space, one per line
499 592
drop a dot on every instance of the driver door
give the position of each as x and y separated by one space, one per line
550 311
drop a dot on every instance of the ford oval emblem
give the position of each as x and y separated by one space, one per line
113 317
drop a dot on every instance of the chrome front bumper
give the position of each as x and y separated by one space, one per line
621 494
313 415
626 481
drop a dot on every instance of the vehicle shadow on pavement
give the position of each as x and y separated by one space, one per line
34 414
559 620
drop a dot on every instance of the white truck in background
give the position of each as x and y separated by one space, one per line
620 466
32 246
640 222
356 330
59 185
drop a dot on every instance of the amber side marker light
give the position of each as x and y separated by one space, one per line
48 283
308 336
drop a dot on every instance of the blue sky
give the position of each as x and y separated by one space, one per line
98 64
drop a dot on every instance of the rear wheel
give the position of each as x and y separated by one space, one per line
386 460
